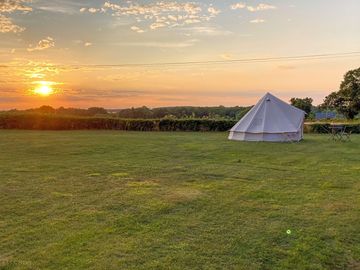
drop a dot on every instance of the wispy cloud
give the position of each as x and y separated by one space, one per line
238 6
83 43
7 25
158 14
214 11
137 29
58 6
36 70
206 31
43 44
259 7
10 6
57 9
257 21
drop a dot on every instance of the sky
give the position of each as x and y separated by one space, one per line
112 53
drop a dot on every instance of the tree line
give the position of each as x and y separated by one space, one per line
181 112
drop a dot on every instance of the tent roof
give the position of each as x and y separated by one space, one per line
271 115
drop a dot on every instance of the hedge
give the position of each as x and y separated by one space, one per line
195 125
33 121
54 122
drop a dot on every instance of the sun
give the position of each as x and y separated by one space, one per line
44 89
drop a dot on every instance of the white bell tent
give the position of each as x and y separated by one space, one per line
271 120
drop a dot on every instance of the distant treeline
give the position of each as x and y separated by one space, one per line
183 112
220 112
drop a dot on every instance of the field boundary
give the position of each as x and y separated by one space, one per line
35 121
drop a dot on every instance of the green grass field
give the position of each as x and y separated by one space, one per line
115 200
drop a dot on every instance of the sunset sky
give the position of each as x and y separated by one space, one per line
95 52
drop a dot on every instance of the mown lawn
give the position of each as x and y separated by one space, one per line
114 200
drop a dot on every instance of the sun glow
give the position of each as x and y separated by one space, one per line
44 89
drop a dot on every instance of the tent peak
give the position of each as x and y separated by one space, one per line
268 96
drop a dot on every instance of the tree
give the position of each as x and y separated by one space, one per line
242 113
347 99
96 111
43 109
304 104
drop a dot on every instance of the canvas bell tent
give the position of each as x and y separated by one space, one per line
271 120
